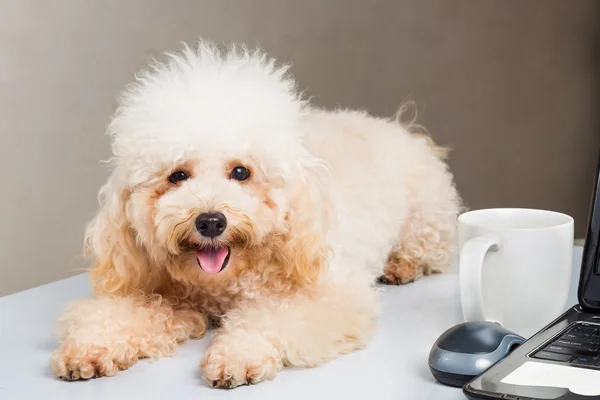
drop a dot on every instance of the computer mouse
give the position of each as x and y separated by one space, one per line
468 349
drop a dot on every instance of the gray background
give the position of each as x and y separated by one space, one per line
512 86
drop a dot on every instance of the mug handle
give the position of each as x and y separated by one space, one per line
470 272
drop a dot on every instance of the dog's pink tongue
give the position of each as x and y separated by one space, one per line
211 259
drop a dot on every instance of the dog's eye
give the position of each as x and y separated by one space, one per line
240 173
178 176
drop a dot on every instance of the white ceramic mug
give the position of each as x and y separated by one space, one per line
515 266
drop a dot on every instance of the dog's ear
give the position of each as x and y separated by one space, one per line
305 251
119 265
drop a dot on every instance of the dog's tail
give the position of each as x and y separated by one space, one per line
418 130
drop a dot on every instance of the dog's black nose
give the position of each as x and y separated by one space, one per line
211 224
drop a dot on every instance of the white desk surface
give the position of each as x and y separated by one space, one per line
393 366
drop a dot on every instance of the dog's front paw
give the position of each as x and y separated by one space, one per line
230 366
74 361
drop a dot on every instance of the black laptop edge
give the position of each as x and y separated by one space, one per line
489 386
588 293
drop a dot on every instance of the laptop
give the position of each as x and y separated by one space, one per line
562 361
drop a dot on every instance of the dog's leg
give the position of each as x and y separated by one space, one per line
303 330
101 336
425 247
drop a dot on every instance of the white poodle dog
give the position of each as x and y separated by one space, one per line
233 201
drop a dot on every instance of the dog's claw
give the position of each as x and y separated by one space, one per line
386 281
395 281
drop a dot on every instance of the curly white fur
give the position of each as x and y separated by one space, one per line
335 200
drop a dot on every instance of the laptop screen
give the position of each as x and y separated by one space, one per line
589 282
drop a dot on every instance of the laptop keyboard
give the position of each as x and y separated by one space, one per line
578 345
